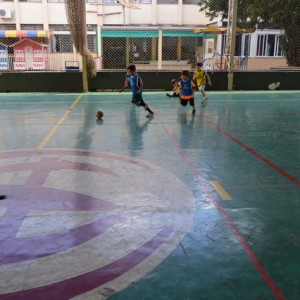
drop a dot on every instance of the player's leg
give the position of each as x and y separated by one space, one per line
204 96
134 99
183 102
147 108
192 104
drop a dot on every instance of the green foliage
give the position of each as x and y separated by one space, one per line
265 14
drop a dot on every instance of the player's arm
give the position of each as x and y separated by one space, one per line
175 87
193 88
194 75
180 90
140 82
126 85
208 79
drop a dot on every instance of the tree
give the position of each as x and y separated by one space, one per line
265 14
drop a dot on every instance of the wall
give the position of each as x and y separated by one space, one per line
40 82
265 63
145 14
112 81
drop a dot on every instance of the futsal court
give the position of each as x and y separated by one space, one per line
182 207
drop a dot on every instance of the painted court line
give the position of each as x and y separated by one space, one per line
253 152
254 115
205 185
50 134
220 190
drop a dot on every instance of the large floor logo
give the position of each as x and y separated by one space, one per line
80 224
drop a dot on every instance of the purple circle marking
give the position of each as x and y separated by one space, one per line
47 180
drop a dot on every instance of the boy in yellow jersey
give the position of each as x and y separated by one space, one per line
201 78
175 89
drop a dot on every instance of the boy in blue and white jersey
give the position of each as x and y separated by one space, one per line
135 82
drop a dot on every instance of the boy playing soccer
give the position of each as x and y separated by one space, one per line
175 89
201 77
187 90
135 82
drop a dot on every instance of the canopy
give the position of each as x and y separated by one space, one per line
219 30
24 33
148 33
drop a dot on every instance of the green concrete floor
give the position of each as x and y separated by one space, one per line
244 146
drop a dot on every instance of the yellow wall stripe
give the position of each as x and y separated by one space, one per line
50 134
221 191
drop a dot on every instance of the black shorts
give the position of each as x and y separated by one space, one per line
184 102
138 100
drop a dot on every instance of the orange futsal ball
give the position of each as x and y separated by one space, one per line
99 114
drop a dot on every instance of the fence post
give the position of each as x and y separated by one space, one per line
159 58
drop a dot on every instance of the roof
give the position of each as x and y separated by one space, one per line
28 41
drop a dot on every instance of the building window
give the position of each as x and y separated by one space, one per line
7 26
91 27
61 43
30 0
32 27
91 42
242 45
268 45
246 45
190 2
167 1
59 27
141 1
109 1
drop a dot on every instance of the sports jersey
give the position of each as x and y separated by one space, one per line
187 89
134 83
200 77
176 88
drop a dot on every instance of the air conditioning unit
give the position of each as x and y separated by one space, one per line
5 13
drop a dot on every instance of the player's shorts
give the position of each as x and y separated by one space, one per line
137 99
201 87
184 102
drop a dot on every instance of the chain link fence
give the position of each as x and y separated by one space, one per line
154 35
267 33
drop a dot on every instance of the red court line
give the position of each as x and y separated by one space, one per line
253 152
206 187
255 115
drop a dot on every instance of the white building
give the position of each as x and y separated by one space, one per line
122 32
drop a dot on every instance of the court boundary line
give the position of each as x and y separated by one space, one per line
203 183
252 151
53 130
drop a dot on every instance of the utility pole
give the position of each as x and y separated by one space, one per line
230 44
84 47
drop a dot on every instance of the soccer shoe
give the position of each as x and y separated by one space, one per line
194 111
150 115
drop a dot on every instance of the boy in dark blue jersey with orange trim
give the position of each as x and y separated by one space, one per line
135 82
187 90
